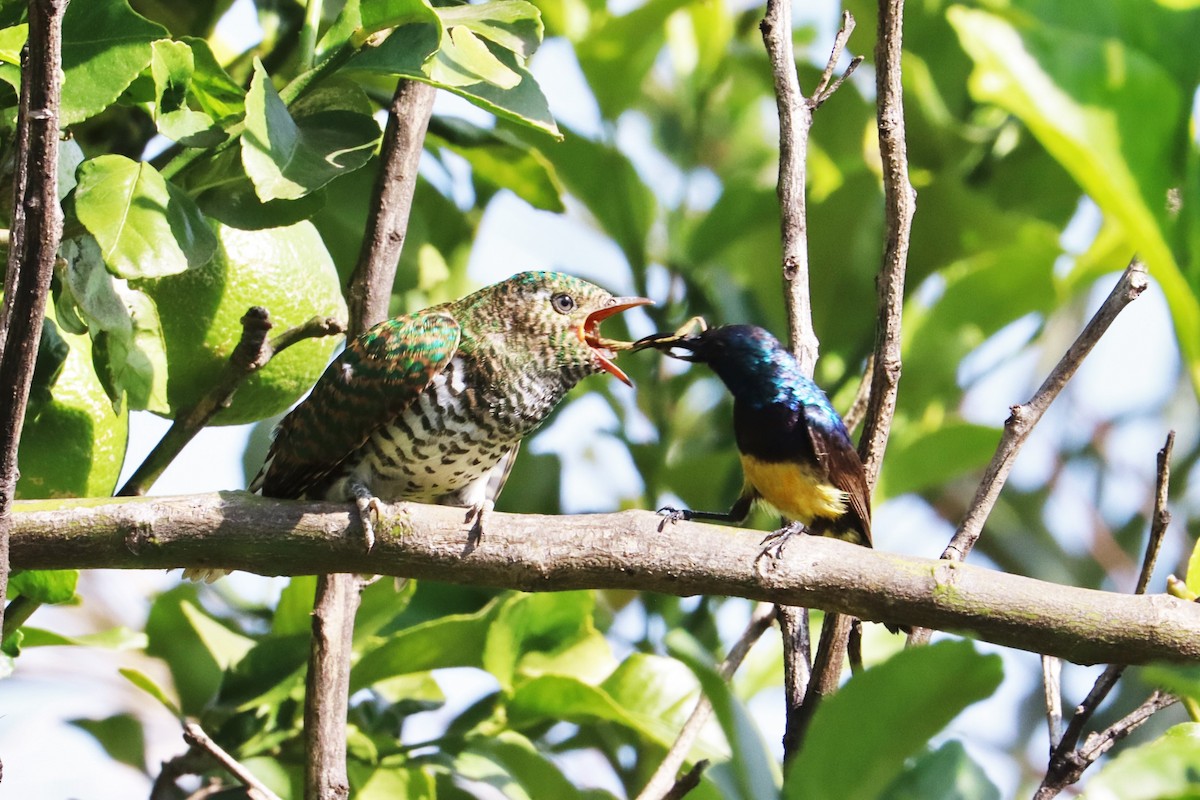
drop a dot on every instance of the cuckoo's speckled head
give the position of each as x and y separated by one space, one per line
552 316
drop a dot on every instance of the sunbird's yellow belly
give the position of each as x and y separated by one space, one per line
794 490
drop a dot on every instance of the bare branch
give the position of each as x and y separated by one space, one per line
236 530
1161 518
663 784
1067 763
252 353
338 595
1052 694
35 234
1067 767
195 736
1024 417
899 207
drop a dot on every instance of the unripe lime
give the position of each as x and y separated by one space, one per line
289 272
74 445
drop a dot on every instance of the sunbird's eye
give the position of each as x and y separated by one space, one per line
563 303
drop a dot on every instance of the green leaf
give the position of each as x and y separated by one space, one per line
408 52
617 54
12 41
947 773
268 673
456 640
511 764
45 585
501 160
380 14
225 647
293 612
217 94
916 691
148 685
121 736
925 454
194 670
1167 767
1111 115
289 158
530 623
105 46
754 773
1180 679
605 180
464 60
515 25
145 227
172 67
398 784
118 638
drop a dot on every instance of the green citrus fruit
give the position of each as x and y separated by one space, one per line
289 272
73 445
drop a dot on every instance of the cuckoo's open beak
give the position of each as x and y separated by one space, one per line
606 349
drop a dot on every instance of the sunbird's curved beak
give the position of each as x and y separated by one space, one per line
686 337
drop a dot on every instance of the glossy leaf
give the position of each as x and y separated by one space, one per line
289 158
1111 116
45 585
1165 767
105 46
148 685
145 228
947 773
753 772
918 691
512 765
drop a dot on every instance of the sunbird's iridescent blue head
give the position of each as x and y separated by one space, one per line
748 359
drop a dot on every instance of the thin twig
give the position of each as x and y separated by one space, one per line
824 89
688 781
1066 768
663 783
338 595
1052 694
1067 760
251 354
862 398
1161 518
195 736
795 121
899 208
1025 417
36 231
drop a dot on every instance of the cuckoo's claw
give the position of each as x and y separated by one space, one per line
773 543
369 509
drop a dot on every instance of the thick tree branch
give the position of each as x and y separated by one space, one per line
36 231
626 550
795 121
338 595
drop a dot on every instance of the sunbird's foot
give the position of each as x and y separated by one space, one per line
773 543
673 515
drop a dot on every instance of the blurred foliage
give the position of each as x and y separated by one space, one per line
1048 143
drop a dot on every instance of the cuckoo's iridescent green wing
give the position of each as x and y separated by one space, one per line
376 377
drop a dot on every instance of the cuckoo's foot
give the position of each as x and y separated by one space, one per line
474 518
369 508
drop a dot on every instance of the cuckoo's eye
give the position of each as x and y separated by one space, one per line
563 303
